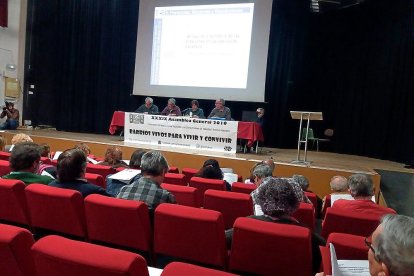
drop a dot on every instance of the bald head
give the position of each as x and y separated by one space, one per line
339 184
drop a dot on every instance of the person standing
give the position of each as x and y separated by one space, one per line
220 111
148 108
12 114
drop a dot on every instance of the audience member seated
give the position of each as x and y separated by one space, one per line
148 108
211 170
361 189
339 185
268 162
2 143
147 189
279 201
261 171
113 185
71 169
194 111
304 184
220 111
24 161
16 139
46 169
12 114
391 247
171 109
113 158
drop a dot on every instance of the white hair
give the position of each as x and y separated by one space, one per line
149 99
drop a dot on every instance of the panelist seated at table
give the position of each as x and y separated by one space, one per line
148 108
194 111
171 109
220 111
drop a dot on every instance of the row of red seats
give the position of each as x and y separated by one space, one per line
55 255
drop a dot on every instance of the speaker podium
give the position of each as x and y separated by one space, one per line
304 116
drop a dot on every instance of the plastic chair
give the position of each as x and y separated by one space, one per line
96 179
56 209
184 269
305 214
230 205
239 187
341 221
191 234
55 255
183 194
13 206
133 229
203 184
16 257
175 178
4 167
261 248
189 172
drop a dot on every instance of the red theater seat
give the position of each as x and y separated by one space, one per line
119 222
96 179
326 205
305 214
203 184
13 206
56 209
183 194
231 205
5 155
189 172
15 256
55 255
173 170
348 247
175 178
46 160
239 187
99 169
4 167
183 269
341 221
192 234
313 198
265 248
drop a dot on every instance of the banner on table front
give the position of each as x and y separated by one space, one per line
183 132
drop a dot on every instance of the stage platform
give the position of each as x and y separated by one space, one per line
323 165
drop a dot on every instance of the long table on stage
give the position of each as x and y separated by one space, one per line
250 131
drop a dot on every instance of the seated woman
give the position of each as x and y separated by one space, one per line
211 170
113 158
279 201
113 185
71 170
194 111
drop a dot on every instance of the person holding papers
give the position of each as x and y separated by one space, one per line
220 111
71 169
194 111
361 189
148 108
171 109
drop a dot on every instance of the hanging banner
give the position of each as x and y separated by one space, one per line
181 132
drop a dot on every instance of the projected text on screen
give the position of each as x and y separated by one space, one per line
202 46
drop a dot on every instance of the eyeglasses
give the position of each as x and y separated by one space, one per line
368 243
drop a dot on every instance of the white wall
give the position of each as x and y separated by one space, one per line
12 40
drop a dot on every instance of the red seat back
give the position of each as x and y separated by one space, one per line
343 221
183 194
184 269
348 247
230 205
4 167
189 233
261 248
313 198
175 178
239 187
15 244
173 170
189 172
96 179
131 218
5 155
305 214
56 209
55 255
46 160
99 169
13 207
203 184
326 204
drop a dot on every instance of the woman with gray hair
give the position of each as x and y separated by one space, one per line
171 109
278 201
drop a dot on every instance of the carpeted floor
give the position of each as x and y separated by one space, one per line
398 190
